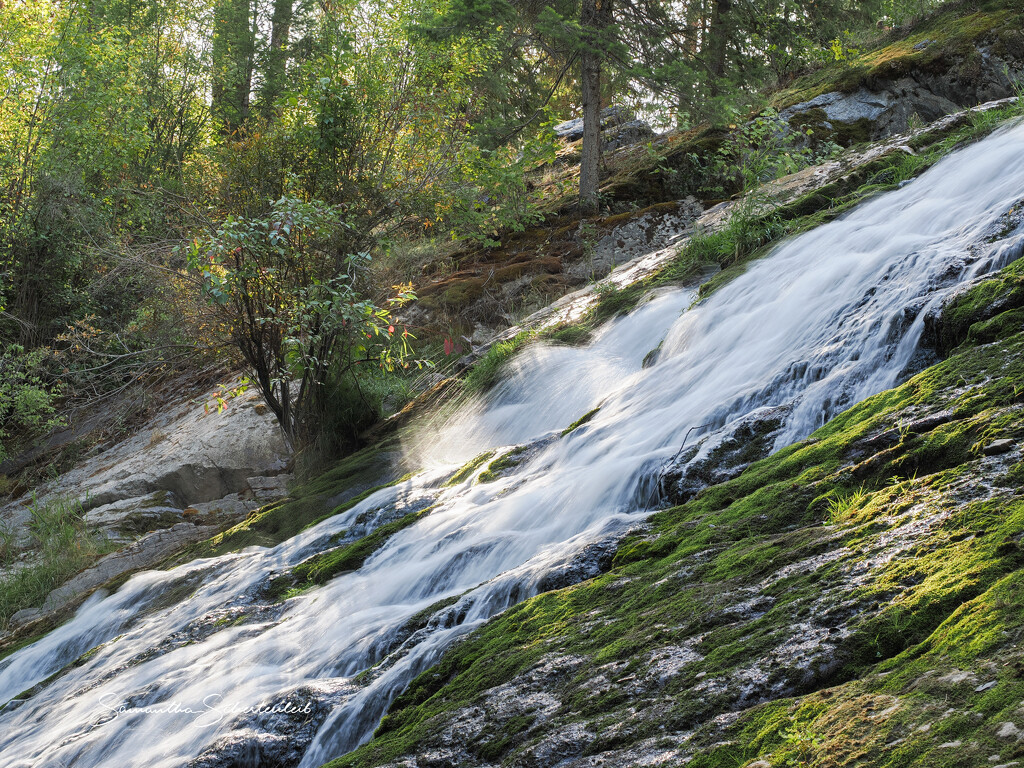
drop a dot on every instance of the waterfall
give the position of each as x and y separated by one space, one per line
827 319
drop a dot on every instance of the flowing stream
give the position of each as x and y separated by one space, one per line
826 320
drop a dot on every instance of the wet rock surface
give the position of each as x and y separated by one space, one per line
694 468
569 710
855 587
275 733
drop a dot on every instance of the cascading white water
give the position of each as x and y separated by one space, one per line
826 320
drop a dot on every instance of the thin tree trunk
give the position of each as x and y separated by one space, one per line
595 17
234 44
277 56
718 43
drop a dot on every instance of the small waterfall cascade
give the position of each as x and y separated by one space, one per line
827 319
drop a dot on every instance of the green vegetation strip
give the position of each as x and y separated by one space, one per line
323 567
61 545
468 469
306 506
494 470
581 421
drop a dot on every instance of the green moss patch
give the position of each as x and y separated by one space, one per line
500 466
945 42
467 469
986 312
586 417
321 568
352 479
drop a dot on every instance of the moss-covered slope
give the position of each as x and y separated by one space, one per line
855 599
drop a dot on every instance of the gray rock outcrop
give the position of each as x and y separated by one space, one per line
884 107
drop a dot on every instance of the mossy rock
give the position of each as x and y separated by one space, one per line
976 312
348 482
874 528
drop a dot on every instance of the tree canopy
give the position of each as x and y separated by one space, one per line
136 132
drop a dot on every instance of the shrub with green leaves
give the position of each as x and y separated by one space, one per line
26 397
292 303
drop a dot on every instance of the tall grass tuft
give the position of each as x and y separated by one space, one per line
61 545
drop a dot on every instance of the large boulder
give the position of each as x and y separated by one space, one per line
189 454
890 103
619 128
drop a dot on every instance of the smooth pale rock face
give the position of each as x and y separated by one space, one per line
188 473
186 456
147 552
640 235
154 504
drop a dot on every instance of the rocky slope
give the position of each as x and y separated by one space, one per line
195 468
852 599
656 188
855 599
737 630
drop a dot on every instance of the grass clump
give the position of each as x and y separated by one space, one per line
61 545
842 505
325 566
487 370
468 469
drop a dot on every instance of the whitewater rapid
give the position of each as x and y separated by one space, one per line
827 319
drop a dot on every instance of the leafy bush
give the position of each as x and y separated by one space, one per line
26 399
291 299
767 148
